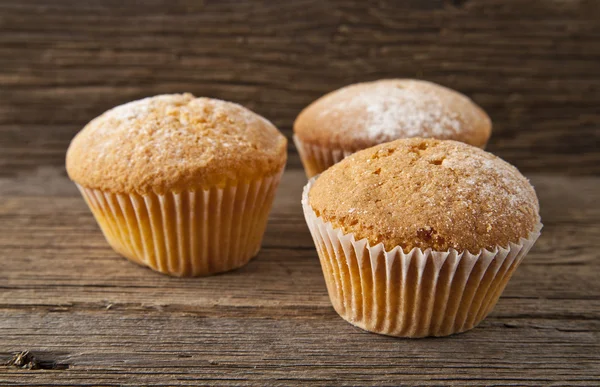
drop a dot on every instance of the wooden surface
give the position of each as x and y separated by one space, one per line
78 306
532 64
89 317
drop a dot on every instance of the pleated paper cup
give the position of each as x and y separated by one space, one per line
189 233
418 294
317 159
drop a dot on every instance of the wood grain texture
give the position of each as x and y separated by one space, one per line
533 65
92 318
78 306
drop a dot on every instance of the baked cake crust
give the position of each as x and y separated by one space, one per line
365 114
426 193
171 143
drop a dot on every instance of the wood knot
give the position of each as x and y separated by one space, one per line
26 360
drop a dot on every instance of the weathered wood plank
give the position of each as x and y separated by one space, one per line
185 349
532 64
66 296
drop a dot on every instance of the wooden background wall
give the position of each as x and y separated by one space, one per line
533 65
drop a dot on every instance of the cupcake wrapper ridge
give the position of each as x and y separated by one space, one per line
415 294
316 159
189 233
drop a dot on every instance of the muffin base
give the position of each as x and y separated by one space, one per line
317 159
189 233
418 294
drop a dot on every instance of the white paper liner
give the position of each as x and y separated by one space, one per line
190 233
422 293
316 159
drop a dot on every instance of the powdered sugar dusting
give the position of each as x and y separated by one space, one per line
131 110
167 135
169 124
428 193
391 110
488 179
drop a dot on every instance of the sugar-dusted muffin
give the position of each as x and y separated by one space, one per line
183 185
362 115
418 237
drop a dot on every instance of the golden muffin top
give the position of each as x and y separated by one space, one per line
366 114
173 143
427 193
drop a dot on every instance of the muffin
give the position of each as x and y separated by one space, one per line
418 237
362 115
180 184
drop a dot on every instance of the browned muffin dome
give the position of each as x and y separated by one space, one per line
366 114
174 142
427 193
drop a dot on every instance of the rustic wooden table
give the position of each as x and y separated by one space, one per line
89 317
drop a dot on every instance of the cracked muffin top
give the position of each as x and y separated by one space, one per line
427 193
173 143
366 114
